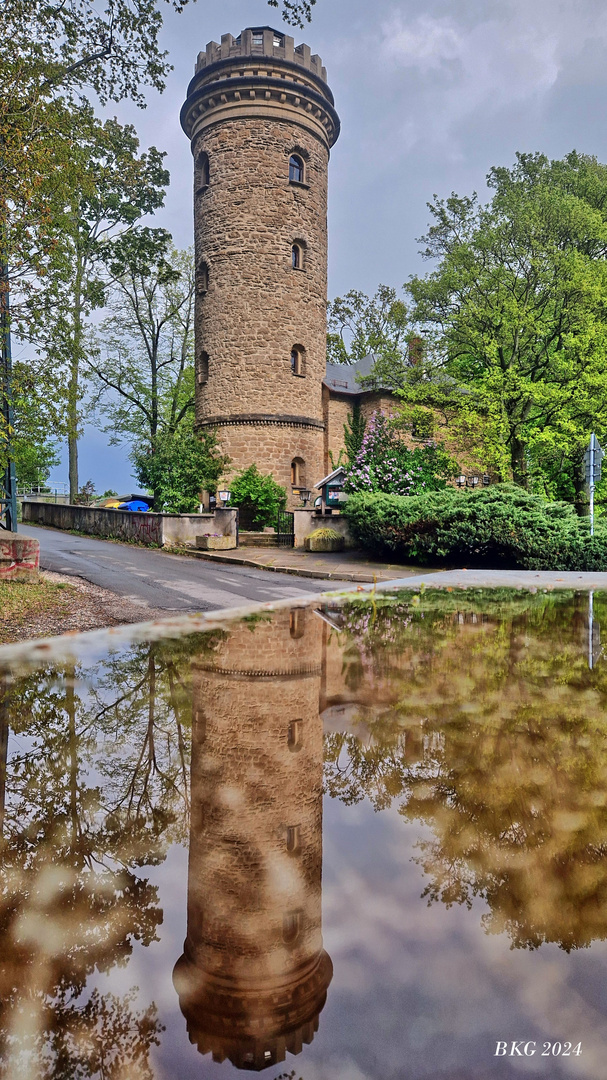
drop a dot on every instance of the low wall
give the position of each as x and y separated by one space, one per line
308 520
155 530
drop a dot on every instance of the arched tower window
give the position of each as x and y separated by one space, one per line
202 279
298 472
201 173
298 360
296 169
292 925
297 617
298 255
203 369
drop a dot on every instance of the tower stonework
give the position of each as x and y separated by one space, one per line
253 977
261 121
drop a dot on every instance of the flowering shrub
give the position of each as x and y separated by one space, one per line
384 463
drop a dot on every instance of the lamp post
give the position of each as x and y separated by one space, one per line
305 495
472 481
225 496
461 481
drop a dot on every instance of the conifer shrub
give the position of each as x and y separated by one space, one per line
497 527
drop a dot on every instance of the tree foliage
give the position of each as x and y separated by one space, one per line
182 465
515 311
501 526
384 463
144 368
475 685
359 325
259 497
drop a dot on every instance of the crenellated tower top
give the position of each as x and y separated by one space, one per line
260 72
261 41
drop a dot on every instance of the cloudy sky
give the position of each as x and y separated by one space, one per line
429 100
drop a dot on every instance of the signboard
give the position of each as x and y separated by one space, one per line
335 494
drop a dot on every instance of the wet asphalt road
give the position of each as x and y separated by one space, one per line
169 582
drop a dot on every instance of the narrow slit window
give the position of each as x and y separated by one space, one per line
296 259
201 172
203 369
298 472
297 617
293 839
296 169
298 360
295 735
291 927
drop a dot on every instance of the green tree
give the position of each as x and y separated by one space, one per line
259 497
117 187
515 312
182 464
144 370
359 325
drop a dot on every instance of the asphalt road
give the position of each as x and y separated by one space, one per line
169 582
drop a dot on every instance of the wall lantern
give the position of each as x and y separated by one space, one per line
472 481
461 481
225 496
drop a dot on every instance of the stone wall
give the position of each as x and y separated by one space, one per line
308 520
154 530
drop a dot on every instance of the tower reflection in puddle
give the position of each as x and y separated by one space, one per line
253 977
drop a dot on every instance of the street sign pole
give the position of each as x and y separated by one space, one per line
592 451
593 459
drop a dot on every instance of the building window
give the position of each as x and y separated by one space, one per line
298 472
257 39
291 926
297 256
298 365
201 173
295 735
296 169
203 369
293 839
202 279
297 617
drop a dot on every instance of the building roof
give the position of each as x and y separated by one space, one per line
342 378
338 472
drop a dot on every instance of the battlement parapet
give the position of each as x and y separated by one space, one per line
261 41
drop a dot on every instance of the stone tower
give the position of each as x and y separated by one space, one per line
261 121
253 977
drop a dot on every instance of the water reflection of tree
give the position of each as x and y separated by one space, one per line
496 737
94 787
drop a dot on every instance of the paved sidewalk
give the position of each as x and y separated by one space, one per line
340 566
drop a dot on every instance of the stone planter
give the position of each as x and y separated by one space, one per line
215 543
324 543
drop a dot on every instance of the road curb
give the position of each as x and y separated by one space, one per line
296 571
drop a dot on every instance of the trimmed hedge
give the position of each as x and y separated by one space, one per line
498 527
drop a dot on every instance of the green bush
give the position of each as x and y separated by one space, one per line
502 526
258 497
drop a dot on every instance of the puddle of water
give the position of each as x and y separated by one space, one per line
359 840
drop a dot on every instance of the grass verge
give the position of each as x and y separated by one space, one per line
21 602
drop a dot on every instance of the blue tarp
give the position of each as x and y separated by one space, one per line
134 504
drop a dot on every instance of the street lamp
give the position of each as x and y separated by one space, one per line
304 495
225 496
